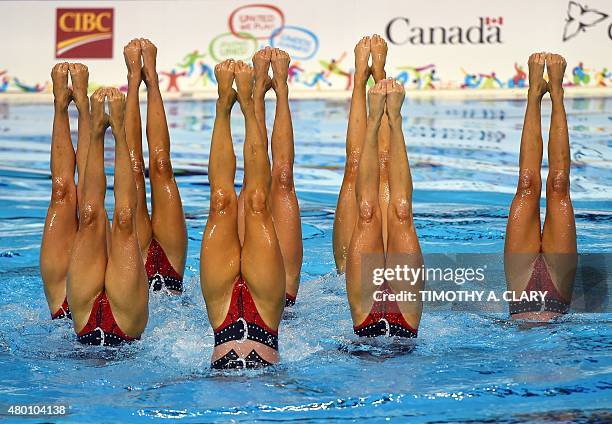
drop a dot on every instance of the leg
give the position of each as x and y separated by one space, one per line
133 133
522 243
168 221
79 74
559 235
261 260
89 255
220 243
403 244
126 281
283 201
61 221
379 58
347 210
366 250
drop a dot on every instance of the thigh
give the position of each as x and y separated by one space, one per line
345 216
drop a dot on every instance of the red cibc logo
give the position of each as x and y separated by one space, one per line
84 33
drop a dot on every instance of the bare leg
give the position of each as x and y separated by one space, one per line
403 244
366 250
89 255
220 243
261 261
61 221
133 133
126 281
347 210
559 235
79 74
284 202
168 221
379 58
261 66
522 244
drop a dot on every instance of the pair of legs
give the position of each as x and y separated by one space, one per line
61 224
283 199
367 248
167 222
347 209
108 262
525 242
223 258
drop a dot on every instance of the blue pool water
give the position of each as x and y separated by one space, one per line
463 366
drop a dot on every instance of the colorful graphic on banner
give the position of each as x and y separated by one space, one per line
84 33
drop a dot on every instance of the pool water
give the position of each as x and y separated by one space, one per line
463 366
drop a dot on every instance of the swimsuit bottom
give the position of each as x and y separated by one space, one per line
160 272
62 312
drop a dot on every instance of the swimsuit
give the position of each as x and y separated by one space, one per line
62 312
243 322
160 271
541 281
385 319
289 300
101 328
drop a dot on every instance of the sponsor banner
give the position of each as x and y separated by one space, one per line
467 45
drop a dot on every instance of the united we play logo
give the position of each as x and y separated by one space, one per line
84 33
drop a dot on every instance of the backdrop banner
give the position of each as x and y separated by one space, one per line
439 44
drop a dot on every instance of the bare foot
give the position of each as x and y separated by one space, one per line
61 93
116 108
133 60
79 75
149 57
224 72
362 56
555 67
99 119
378 47
243 74
376 100
537 85
395 97
261 65
280 70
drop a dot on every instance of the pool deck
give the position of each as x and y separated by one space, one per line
458 94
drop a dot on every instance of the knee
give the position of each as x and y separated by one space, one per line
88 215
283 176
559 183
222 199
352 162
256 201
366 210
401 210
137 166
383 159
529 184
162 165
61 188
124 218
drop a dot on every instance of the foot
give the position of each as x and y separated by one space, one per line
376 99
224 72
362 56
61 93
261 65
395 98
244 76
378 47
555 67
79 75
280 70
99 120
149 57
133 60
537 85
116 108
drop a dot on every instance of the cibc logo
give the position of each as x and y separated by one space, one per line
487 30
84 33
